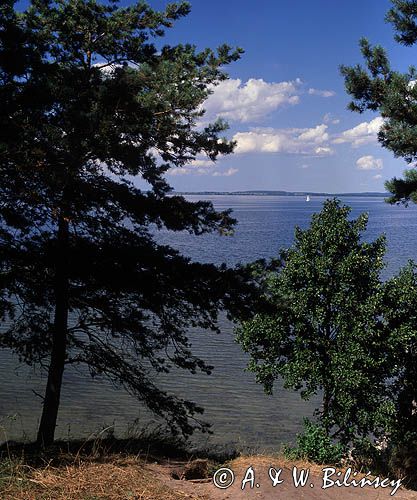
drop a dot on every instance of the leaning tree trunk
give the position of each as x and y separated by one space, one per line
47 424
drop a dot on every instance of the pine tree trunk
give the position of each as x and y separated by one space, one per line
46 431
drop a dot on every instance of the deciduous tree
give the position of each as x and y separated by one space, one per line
400 317
378 87
324 331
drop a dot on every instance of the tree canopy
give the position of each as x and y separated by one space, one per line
330 326
376 86
324 332
400 317
90 102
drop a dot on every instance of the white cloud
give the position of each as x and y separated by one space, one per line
250 101
369 162
317 134
107 69
202 163
178 171
322 93
364 133
187 171
199 166
296 140
227 173
323 151
377 176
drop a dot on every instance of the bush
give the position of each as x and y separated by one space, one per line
402 462
315 444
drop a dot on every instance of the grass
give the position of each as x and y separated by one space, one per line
86 480
101 468
114 469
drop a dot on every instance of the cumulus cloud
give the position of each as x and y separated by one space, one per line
322 93
316 135
364 133
369 162
377 176
250 101
295 140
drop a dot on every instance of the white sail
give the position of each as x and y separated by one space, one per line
308 198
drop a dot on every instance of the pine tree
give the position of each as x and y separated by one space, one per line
90 102
378 87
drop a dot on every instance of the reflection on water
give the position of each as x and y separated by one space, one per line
236 406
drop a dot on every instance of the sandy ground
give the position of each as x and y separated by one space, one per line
263 488
132 478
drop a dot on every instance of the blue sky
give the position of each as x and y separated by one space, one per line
290 137
285 100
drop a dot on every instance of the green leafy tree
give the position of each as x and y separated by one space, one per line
90 101
323 331
377 87
400 316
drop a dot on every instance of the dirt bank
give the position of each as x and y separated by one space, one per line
163 479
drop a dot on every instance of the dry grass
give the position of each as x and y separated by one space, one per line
266 460
117 478
70 476
244 461
101 468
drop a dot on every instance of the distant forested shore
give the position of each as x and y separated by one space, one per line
282 193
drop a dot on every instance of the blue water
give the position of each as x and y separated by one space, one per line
235 405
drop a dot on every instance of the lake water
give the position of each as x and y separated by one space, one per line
239 411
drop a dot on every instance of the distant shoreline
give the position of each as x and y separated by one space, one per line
280 193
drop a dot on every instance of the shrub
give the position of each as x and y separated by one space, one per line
316 445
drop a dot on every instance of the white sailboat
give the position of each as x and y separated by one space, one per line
308 198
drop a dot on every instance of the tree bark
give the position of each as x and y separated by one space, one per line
46 431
